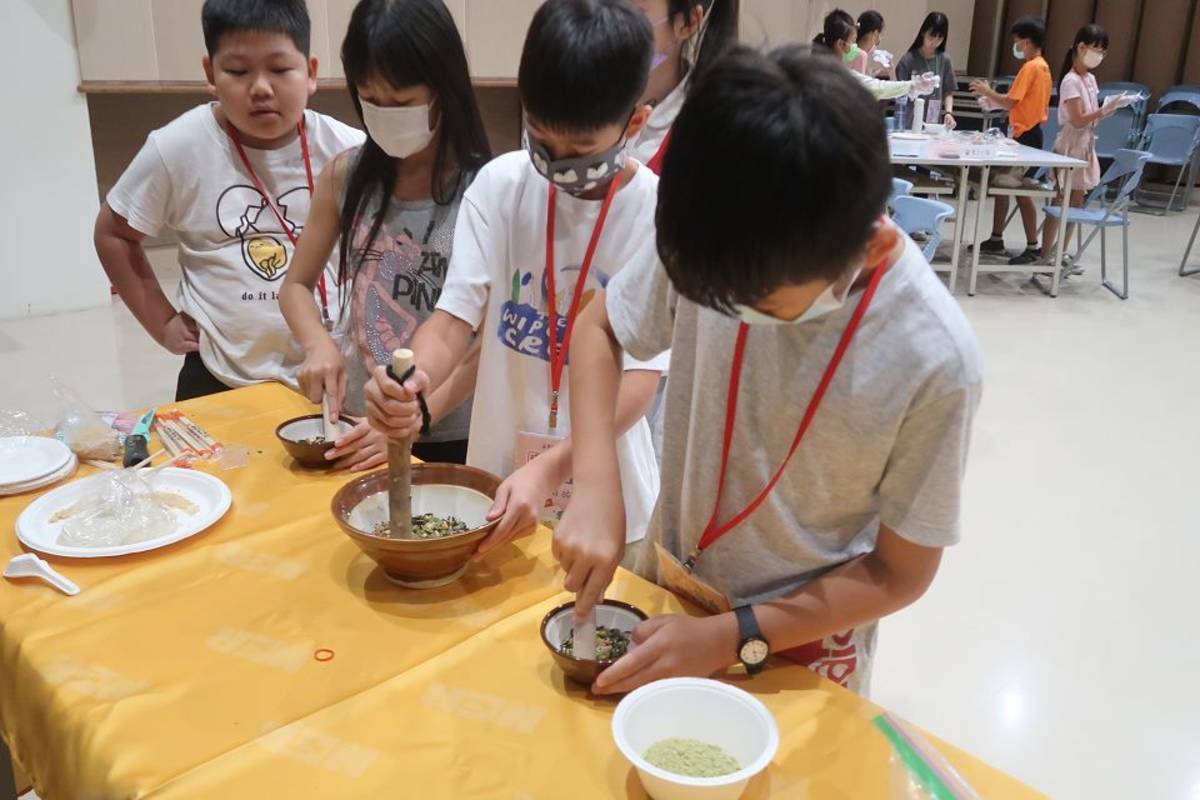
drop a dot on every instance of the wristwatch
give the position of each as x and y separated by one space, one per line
753 649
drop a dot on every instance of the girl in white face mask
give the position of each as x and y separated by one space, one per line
391 206
1079 110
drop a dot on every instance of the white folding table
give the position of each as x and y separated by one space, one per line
1018 156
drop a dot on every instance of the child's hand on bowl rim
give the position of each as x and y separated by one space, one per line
361 449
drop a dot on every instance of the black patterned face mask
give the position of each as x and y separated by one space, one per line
579 174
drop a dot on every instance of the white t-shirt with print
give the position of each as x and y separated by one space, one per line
233 253
497 284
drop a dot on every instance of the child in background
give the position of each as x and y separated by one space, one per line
392 204
1028 104
539 236
805 526
1079 110
870 60
232 180
928 54
840 37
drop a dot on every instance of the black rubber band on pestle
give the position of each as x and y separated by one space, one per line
420 396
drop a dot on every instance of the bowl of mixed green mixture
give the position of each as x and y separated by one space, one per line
615 622
304 439
694 738
449 506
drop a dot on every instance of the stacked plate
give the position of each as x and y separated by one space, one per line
28 463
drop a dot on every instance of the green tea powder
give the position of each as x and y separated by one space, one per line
691 758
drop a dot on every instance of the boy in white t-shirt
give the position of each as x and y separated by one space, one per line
583 69
823 385
232 181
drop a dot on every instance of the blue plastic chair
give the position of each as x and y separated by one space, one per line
1188 96
1123 129
1171 140
900 188
920 215
1126 170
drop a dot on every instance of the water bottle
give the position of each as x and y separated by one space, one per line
933 112
901 115
918 116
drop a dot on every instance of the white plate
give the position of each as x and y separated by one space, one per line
26 458
210 495
41 483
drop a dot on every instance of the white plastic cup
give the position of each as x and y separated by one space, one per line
702 709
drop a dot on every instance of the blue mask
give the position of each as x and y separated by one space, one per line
580 174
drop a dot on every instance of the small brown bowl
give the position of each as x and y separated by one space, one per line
442 489
294 432
558 624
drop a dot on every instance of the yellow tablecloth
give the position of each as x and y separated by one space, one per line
189 672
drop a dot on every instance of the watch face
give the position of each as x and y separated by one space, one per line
754 651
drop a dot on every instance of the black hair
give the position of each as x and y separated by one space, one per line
585 63
936 23
812 177
289 17
869 22
1093 35
838 25
721 31
408 43
1031 28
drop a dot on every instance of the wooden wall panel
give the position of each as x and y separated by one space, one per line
1064 19
1120 19
496 34
1191 65
985 37
1160 44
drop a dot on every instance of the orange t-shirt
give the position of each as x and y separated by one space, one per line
1031 90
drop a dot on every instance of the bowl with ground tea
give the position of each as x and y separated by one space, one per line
304 439
449 506
694 738
615 622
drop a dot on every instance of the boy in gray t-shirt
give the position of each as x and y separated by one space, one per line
804 494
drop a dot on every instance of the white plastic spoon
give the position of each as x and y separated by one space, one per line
29 565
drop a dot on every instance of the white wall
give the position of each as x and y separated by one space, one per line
48 199
779 21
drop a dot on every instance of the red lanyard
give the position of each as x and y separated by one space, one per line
655 164
558 352
283 223
714 531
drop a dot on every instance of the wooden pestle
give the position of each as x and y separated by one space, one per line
400 467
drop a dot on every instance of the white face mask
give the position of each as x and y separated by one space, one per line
1092 59
1018 53
827 302
399 131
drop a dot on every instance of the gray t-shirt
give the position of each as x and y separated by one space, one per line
888 444
913 63
395 289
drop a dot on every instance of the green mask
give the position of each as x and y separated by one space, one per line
851 54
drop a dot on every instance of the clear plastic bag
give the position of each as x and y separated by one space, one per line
24 423
81 428
120 508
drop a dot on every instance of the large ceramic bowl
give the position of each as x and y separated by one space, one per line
557 626
296 435
442 489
